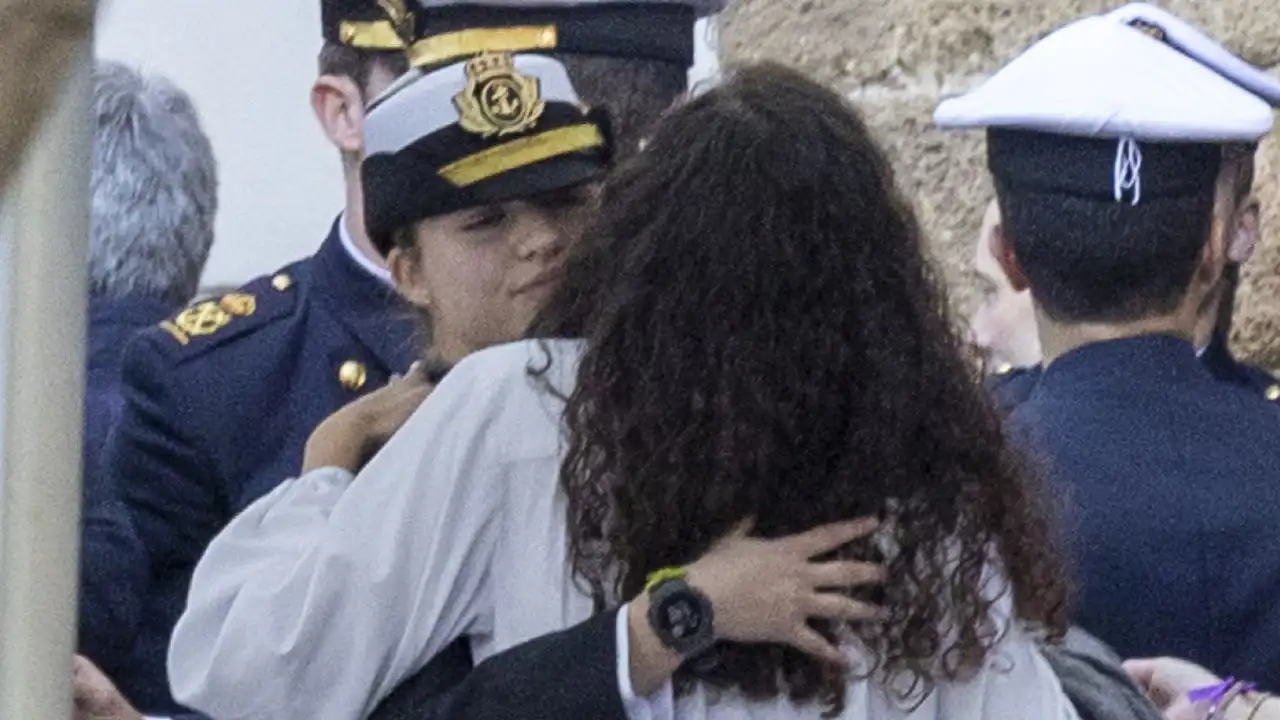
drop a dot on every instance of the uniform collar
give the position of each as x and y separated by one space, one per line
132 310
360 258
114 320
1143 356
368 307
1221 363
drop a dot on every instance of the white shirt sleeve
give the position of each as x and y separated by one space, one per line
321 597
660 705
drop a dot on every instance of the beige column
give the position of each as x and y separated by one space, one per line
38 40
898 59
47 248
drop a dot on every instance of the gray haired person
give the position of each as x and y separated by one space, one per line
154 188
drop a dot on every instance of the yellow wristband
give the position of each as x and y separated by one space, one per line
657 577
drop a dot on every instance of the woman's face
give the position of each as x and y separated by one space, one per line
482 274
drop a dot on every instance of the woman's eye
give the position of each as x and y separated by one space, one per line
486 219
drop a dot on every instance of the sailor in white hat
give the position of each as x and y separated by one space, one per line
1215 322
1140 108
1122 152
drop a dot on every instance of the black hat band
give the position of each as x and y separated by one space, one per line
655 31
1085 167
373 25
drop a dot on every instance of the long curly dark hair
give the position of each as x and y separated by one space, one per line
766 339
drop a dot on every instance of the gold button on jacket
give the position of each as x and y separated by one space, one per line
352 375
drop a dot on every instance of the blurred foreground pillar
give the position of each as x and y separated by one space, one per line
46 256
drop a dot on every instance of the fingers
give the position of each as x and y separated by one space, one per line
807 640
826 538
1141 671
833 606
844 573
743 528
413 376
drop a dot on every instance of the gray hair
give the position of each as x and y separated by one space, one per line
155 188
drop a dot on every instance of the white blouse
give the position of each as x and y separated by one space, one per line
323 596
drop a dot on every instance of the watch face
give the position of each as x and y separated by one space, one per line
681 615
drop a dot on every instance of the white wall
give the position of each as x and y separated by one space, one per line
249 65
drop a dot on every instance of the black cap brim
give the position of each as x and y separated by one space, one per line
661 31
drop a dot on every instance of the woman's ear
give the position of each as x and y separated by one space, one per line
339 106
410 281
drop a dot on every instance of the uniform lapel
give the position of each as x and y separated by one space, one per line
366 306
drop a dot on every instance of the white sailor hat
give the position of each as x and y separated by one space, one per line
449 30
498 127
1105 109
1190 41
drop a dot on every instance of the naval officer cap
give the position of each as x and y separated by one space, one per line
660 30
1132 105
370 25
495 128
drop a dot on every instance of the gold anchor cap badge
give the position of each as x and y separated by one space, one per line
498 100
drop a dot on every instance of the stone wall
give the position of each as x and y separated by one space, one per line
898 58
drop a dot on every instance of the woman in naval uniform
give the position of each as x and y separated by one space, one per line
761 338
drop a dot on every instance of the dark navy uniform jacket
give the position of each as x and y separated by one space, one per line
113 564
1171 479
219 401
1010 388
569 674
1223 365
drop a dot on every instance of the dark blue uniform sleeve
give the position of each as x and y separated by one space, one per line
168 484
113 576
569 674
1010 389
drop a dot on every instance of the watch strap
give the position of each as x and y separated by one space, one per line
657 577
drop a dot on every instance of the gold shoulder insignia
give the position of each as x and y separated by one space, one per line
238 304
1273 393
498 100
210 316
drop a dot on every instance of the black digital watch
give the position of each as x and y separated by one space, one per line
681 615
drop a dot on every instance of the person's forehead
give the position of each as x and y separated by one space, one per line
983 260
990 217
984 264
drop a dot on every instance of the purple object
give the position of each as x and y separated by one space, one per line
1216 693
1212 693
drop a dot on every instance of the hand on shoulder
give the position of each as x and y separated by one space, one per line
351 436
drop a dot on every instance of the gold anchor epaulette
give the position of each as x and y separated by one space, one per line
211 322
210 316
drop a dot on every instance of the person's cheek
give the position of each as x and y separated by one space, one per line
982 326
